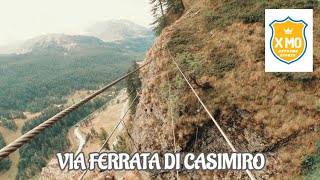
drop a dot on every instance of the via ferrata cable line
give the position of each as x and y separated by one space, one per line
172 119
197 131
115 128
208 112
127 130
10 148
96 111
112 132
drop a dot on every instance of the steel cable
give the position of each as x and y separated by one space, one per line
7 150
172 120
204 106
112 132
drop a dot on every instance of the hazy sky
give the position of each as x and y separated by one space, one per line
24 19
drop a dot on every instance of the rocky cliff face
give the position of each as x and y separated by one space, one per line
225 64
52 171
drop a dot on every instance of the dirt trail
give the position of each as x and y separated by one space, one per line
81 139
106 119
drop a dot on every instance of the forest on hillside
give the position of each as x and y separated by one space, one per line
41 80
34 81
35 154
5 163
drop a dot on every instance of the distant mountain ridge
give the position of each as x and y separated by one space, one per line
114 30
109 33
59 41
64 40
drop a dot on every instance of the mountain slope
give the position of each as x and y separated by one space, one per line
114 30
67 42
40 80
220 47
78 43
59 64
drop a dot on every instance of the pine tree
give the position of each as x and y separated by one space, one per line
103 134
161 9
133 86
93 132
175 7
156 5
5 163
159 15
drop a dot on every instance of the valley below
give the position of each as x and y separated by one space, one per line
105 118
208 50
45 74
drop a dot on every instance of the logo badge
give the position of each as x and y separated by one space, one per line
288 42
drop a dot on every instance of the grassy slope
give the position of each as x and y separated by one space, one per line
223 43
